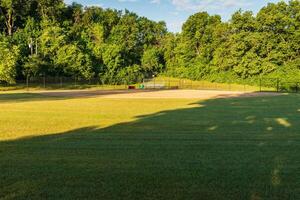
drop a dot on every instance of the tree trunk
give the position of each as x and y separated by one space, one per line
9 23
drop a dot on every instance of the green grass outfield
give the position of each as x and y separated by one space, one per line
93 148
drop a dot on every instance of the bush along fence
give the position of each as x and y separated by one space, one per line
262 84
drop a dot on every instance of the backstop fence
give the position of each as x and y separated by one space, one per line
260 84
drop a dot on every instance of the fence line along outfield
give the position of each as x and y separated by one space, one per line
261 84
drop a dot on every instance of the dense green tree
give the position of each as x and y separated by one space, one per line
152 61
47 37
9 13
14 13
50 8
246 47
35 66
198 33
73 61
243 21
113 61
8 60
51 39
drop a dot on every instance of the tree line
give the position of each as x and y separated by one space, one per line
39 37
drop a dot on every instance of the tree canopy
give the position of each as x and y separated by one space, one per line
49 37
247 46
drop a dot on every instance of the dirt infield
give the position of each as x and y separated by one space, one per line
156 94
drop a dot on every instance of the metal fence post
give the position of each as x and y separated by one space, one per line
277 85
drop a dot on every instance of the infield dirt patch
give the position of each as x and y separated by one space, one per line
156 94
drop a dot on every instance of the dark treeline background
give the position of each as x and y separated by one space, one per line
47 37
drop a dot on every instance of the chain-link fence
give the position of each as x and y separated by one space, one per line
59 82
260 84
165 83
279 85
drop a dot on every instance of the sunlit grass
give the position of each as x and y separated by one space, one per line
34 114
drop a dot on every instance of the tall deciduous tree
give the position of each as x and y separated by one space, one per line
7 8
120 46
8 60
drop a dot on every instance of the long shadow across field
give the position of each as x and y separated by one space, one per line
238 148
24 97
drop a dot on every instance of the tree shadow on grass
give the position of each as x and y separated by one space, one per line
25 97
236 148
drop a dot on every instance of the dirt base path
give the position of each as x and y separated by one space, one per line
156 94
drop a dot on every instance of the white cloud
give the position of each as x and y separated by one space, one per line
175 13
175 26
196 5
96 5
151 1
127 0
155 1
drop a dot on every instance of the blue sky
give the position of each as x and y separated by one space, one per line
175 12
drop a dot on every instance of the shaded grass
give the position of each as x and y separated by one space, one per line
22 97
242 148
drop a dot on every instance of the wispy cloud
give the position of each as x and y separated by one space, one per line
193 5
155 1
127 0
175 26
150 1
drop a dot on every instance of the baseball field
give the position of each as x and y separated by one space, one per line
167 144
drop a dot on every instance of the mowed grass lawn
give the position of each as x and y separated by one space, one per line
94 148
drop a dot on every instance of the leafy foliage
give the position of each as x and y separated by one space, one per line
49 37
243 48
8 61
91 42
